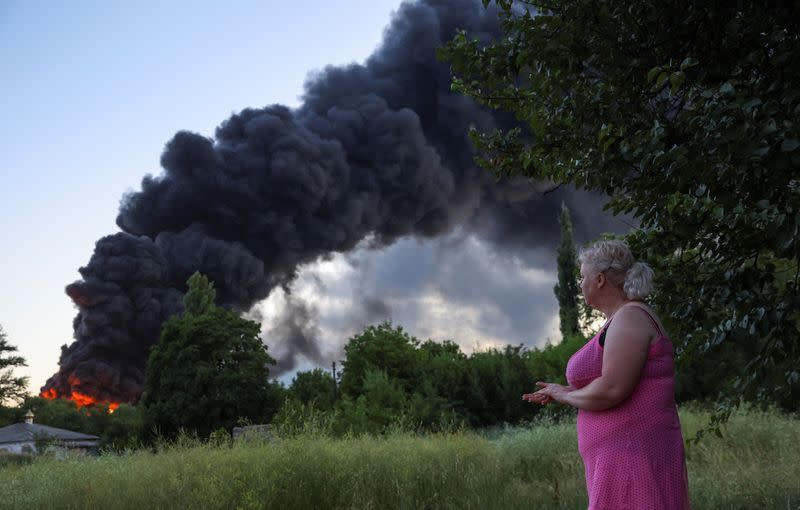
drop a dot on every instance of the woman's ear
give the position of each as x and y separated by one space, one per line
601 280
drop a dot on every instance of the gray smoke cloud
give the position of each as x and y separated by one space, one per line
377 152
298 334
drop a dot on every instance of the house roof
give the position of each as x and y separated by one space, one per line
20 432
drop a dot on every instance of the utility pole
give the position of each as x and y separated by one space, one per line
334 381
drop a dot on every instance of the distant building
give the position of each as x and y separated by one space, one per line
251 432
23 438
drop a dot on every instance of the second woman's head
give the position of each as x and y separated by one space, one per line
609 272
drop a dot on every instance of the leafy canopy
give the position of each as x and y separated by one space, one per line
315 387
685 114
380 347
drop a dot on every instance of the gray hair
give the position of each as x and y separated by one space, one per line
615 258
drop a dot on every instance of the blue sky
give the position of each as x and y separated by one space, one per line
93 90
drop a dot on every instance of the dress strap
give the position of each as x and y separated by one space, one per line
655 323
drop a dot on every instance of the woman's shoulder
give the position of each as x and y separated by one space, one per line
639 315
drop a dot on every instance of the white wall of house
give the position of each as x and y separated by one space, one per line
23 447
30 447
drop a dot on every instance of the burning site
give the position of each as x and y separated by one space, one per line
377 152
400 254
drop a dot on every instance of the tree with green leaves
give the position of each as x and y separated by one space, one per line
380 348
495 381
566 290
209 368
199 299
315 387
685 114
13 388
443 369
382 405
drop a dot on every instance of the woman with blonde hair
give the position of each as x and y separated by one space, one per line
622 382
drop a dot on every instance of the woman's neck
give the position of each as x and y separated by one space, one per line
612 307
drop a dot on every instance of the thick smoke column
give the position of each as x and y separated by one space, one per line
376 151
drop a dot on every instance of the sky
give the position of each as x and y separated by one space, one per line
93 91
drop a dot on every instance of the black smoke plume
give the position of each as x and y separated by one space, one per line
376 151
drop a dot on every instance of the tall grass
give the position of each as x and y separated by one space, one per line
754 466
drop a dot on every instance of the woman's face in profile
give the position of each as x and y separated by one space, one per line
586 283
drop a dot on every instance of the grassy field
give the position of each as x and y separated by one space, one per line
756 465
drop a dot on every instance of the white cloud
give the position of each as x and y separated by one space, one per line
456 288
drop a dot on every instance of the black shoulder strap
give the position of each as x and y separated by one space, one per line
602 339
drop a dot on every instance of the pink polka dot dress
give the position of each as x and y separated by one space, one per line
632 453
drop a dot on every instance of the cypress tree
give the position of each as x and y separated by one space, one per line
566 290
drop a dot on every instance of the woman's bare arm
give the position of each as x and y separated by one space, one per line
625 354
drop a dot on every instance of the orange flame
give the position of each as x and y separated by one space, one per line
80 399
83 400
50 394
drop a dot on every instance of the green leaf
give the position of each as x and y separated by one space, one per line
672 202
676 79
789 144
726 89
662 79
748 106
688 62
652 73
769 127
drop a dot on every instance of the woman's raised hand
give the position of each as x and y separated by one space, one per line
537 398
547 393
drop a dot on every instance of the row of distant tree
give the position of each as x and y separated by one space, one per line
388 379
210 371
